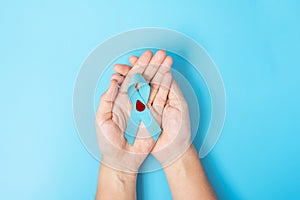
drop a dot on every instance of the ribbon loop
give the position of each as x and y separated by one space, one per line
140 112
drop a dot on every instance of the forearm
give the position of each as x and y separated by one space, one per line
187 179
113 184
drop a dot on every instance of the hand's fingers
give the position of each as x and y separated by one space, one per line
141 63
175 96
155 82
164 67
106 102
122 69
153 91
118 78
162 93
138 68
133 59
154 64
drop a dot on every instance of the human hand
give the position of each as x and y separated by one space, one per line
175 136
115 108
169 108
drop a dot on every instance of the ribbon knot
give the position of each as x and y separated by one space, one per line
140 112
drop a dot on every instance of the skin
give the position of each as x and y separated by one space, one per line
120 162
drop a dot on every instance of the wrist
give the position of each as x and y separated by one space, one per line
182 164
127 163
118 174
119 182
187 174
172 152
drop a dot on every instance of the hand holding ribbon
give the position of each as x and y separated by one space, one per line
124 144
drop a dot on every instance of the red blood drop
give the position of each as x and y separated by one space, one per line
139 106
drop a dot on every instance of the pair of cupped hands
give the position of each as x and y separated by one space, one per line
166 104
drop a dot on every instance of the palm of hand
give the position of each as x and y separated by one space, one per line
121 112
175 137
171 124
113 131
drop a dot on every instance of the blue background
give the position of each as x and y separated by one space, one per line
255 45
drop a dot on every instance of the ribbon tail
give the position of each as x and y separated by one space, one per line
155 137
152 126
155 130
130 139
132 128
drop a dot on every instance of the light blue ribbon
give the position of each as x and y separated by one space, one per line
145 116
